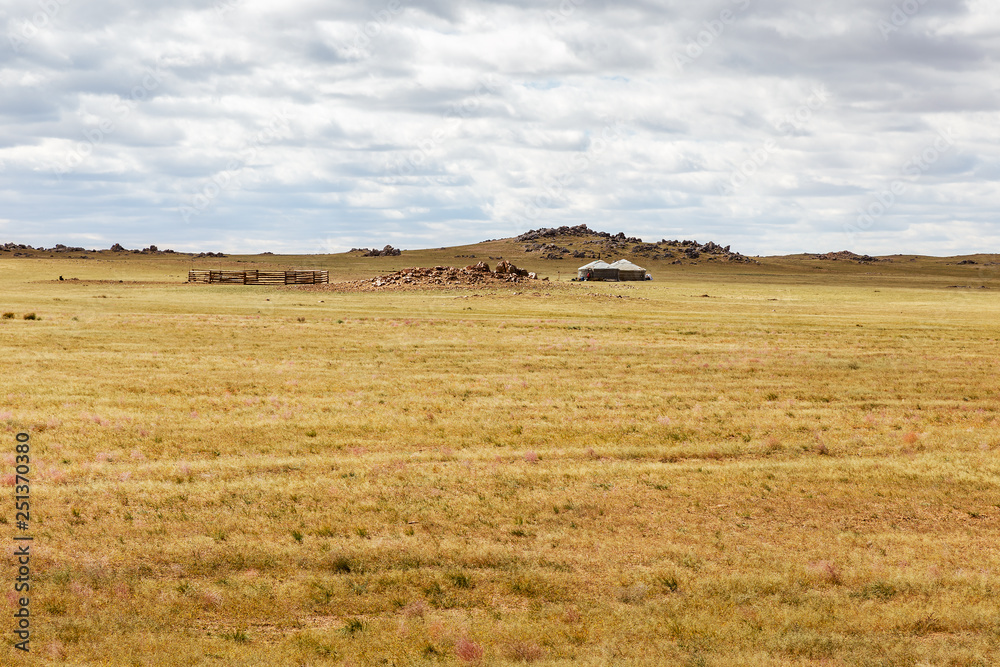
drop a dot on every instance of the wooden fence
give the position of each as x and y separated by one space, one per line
259 277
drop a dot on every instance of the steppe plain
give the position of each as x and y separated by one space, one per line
785 463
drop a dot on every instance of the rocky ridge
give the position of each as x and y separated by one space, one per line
848 256
601 244
387 251
59 247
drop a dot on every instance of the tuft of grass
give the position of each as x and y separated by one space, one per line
238 636
877 590
353 626
669 582
460 580
342 565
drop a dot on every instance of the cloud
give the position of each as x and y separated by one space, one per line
245 125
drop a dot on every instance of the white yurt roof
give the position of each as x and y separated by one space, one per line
596 264
625 265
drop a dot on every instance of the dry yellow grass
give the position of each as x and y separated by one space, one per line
794 469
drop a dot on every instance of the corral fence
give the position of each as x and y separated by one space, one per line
297 277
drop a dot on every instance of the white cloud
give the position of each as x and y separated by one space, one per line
430 123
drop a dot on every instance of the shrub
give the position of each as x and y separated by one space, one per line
828 571
8 316
468 651
31 316
525 652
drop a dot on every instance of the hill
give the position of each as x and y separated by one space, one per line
553 253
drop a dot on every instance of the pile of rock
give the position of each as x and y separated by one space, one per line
387 251
475 274
848 256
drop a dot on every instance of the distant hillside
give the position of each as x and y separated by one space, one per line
17 249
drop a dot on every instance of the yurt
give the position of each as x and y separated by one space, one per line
629 271
597 270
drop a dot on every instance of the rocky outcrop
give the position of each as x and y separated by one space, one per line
602 244
387 251
848 256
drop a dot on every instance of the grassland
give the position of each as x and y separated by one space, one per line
786 464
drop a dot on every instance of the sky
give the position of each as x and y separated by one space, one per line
773 126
